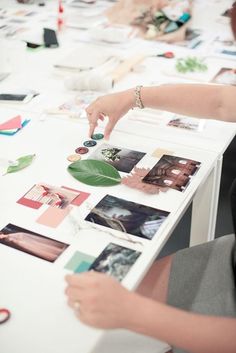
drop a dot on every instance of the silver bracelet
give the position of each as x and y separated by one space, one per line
138 100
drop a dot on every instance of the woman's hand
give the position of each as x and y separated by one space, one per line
99 300
114 106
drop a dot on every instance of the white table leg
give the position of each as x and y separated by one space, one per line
205 206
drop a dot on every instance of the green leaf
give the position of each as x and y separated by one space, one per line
95 173
21 163
191 64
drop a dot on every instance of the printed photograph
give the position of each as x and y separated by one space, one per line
186 123
128 217
73 108
50 195
31 243
225 76
122 159
115 260
173 172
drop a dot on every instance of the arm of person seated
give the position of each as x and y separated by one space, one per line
105 303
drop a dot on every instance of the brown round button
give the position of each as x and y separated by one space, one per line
82 150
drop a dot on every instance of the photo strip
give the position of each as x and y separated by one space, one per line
123 159
191 124
173 172
115 260
128 217
32 243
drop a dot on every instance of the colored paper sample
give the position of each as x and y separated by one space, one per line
53 216
159 152
80 262
14 123
12 132
29 203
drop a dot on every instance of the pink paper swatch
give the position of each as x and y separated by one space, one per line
14 123
29 203
53 216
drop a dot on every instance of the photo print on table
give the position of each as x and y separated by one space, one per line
115 260
31 243
191 124
226 76
173 172
121 158
127 217
50 195
74 108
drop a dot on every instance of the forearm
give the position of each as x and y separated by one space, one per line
196 100
191 332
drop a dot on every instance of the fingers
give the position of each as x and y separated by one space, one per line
74 304
101 116
109 128
81 280
73 280
74 294
92 127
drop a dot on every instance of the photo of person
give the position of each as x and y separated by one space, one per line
115 260
225 76
49 195
128 217
122 159
173 172
31 243
186 123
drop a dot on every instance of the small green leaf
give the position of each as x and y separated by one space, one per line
191 64
21 163
95 173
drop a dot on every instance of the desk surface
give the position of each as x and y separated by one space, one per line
33 289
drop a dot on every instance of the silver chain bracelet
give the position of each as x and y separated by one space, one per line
138 100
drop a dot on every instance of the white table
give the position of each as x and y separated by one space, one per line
32 288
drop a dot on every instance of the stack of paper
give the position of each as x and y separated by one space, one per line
13 125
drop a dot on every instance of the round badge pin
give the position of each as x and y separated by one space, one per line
81 150
90 143
97 136
74 157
